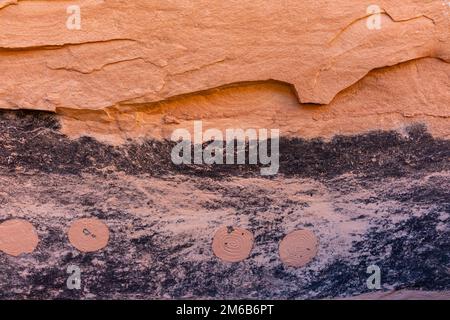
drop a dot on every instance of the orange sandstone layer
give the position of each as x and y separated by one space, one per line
140 68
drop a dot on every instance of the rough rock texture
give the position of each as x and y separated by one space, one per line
142 51
365 149
380 198
404 295
130 55
416 91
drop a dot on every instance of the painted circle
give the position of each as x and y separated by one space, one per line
298 248
89 234
232 244
18 237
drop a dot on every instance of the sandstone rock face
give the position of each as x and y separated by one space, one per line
416 91
359 90
136 53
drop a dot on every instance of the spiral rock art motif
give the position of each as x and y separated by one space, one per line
18 237
89 234
232 244
298 248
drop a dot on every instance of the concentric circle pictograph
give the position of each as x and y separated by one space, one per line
298 248
232 244
18 237
89 234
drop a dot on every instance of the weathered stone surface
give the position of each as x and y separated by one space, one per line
141 51
386 99
405 295
355 168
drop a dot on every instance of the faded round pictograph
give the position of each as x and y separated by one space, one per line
89 234
18 237
232 244
298 248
